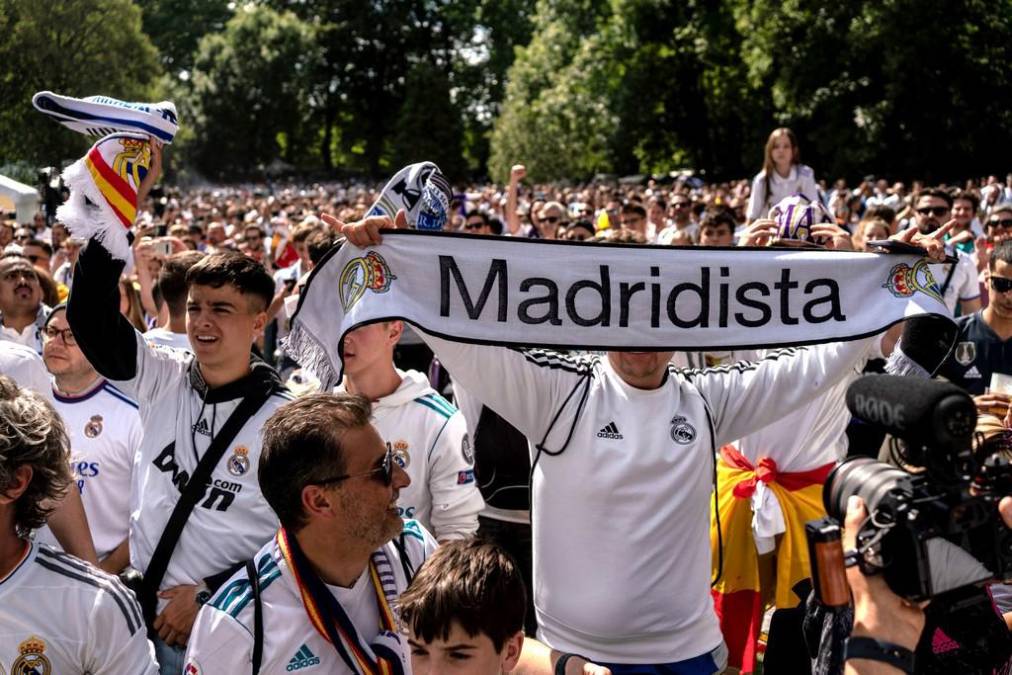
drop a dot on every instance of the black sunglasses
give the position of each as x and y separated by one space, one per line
1004 223
933 211
473 226
385 471
551 219
1001 284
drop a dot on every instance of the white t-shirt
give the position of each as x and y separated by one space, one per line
24 365
801 180
105 435
166 338
621 508
221 641
430 441
963 285
62 616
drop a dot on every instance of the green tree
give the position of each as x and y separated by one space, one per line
429 126
176 26
73 47
251 95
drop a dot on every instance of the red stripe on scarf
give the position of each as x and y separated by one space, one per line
114 179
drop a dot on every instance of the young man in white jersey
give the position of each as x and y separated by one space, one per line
428 435
105 434
57 613
186 400
342 555
622 480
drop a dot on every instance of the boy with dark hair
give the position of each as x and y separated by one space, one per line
465 611
201 413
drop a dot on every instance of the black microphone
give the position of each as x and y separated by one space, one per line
928 339
920 412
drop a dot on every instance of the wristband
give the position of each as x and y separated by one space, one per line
860 647
560 665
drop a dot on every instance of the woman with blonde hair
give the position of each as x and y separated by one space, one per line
782 175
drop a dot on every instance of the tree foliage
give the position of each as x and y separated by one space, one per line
72 47
903 87
252 92
176 26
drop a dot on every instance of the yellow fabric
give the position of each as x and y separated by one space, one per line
741 560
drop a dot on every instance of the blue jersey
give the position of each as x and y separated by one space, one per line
979 353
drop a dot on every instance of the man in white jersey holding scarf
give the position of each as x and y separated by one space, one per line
622 480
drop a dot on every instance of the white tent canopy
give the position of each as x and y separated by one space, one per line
18 197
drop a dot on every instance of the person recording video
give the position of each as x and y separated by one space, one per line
922 540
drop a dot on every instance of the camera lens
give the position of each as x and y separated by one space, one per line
862 476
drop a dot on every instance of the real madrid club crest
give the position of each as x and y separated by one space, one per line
401 454
94 427
466 450
32 659
368 272
238 463
966 353
682 432
905 280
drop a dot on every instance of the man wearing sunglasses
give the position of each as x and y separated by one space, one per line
476 223
956 281
551 217
329 578
982 346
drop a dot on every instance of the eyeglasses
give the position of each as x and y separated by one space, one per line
473 226
385 471
1004 223
1001 284
551 219
936 211
36 258
68 337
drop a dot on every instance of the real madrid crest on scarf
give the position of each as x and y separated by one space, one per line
32 659
238 463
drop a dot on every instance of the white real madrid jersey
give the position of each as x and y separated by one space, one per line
429 439
180 417
621 493
221 642
61 616
105 435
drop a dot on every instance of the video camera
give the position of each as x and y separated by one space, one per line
933 524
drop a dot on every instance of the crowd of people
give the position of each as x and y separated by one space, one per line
172 479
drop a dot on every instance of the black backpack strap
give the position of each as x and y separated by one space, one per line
192 493
258 616
402 552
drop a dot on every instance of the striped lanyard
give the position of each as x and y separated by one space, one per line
329 618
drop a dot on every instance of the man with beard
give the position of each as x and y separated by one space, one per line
956 281
22 312
327 581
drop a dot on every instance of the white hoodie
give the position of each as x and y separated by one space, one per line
430 441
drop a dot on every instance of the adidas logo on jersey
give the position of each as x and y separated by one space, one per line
972 373
304 658
201 428
610 431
